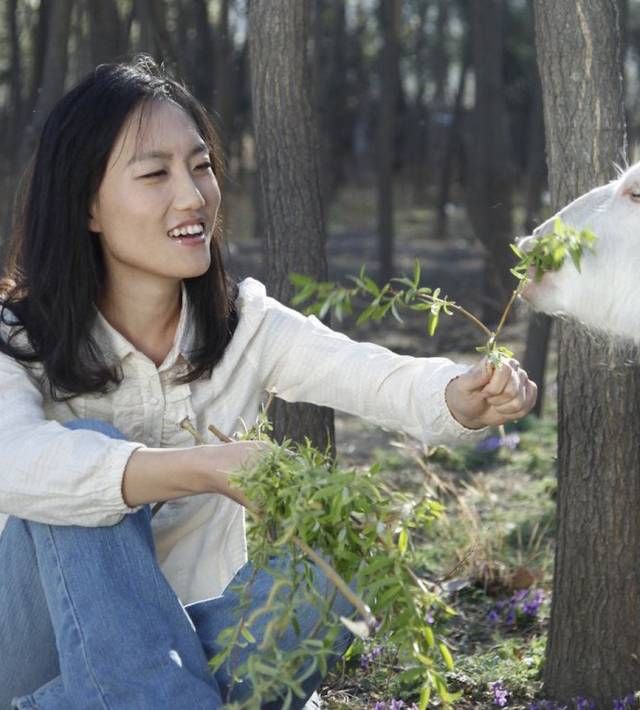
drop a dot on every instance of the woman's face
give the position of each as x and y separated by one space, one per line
156 207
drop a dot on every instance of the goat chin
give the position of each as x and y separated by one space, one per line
613 333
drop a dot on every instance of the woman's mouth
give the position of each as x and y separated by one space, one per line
188 235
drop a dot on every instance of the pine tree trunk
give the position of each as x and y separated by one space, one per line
595 618
288 165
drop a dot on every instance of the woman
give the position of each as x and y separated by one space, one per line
118 324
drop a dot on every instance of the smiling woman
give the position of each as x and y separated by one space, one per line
120 332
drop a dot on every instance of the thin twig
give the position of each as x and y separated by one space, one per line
505 313
463 312
218 434
188 426
337 580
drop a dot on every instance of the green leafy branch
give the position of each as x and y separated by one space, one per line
547 253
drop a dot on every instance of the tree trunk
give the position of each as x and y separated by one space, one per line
536 352
154 34
106 30
288 164
491 173
54 72
389 11
452 146
416 148
223 92
595 617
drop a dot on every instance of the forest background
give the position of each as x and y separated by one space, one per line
423 122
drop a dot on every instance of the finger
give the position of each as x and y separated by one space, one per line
477 376
516 387
520 407
502 377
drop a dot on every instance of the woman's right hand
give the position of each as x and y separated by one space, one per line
220 461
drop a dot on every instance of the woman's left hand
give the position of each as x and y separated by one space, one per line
489 396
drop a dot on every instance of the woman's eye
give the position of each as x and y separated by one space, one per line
204 166
156 173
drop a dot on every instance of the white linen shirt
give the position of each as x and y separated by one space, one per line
57 476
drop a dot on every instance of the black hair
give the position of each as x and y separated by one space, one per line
55 270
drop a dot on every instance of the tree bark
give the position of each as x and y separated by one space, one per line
595 617
15 81
452 146
389 11
490 170
106 31
288 165
54 73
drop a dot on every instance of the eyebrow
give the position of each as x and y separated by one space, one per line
200 148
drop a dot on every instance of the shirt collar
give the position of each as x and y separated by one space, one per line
108 338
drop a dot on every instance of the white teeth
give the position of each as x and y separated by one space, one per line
183 231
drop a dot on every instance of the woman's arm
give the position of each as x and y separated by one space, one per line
304 361
154 475
54 475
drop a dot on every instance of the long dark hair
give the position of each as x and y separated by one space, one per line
55 270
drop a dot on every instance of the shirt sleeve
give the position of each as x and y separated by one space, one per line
305 361
49 473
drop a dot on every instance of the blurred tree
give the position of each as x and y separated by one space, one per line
54 69
389 18
415 144
595 615
223 82
108 31
288 165
196 39
490 182
453 143
154 35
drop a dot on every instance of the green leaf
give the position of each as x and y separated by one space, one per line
403 541
425 696
416 273
247 635
446 656
429 637
432 322
559 227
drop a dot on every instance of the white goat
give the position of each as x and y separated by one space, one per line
605 296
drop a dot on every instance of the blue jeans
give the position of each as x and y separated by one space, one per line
88 621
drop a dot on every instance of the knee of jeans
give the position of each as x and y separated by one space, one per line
96 425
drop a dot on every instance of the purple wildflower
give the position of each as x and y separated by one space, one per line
584 704
493 443
380 705
366 659
532 606
511 441
629 701
396 704
500 694
493 617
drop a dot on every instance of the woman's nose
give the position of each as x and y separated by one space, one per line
187 194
